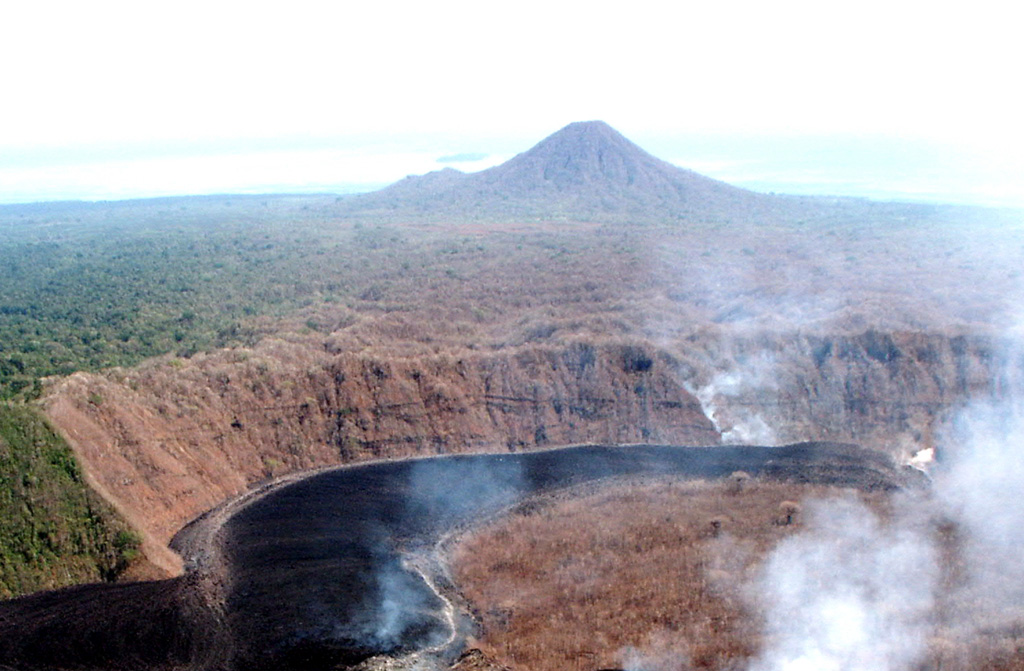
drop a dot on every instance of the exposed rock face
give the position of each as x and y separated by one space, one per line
890 391
174 438
165 443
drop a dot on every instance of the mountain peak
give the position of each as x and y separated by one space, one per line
586 170
593 126
585 152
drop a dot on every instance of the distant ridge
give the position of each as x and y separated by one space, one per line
586 170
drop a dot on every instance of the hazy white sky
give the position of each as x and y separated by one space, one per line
107 83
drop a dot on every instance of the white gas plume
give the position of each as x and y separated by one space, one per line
658 654
923 459
458 488
847 594
850 593
727 400
442 493
401 604
980 487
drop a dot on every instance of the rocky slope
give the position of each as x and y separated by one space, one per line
169 440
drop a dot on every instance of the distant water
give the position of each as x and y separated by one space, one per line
883 171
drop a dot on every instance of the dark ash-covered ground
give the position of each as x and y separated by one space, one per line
310 574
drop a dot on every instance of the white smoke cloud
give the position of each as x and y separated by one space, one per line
659 653
401 604
847 594
923 459
405 608
852 593
980 487
458 488
726 401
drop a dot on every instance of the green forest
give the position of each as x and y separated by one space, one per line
155 278
54 530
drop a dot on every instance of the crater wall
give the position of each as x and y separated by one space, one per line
174 438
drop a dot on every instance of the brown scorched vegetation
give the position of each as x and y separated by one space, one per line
659 575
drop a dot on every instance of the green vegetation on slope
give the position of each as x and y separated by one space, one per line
90 288
136 283
54 531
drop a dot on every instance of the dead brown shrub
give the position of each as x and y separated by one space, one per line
645 569
655 574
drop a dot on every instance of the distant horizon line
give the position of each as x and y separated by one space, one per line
352 190
807 166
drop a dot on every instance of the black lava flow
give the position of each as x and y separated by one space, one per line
314 570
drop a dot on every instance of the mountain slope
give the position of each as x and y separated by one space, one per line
586 170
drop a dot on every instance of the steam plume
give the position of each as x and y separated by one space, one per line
725 401
405 607
455 489
847 595
402 606
980 488
850 593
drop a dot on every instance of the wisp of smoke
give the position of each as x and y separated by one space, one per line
979 486
453 489
404 608
658 654
399 599
847 594
724 401
441 493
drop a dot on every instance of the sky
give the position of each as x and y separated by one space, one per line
124 99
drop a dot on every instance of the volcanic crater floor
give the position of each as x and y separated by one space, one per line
315 572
